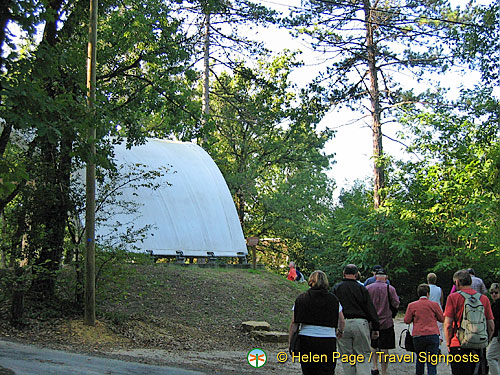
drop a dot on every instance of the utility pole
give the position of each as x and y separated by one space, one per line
89 315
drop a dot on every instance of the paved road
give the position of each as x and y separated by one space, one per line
22 359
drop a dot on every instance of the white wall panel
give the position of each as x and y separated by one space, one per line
195 214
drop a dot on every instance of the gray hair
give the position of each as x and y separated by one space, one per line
463 277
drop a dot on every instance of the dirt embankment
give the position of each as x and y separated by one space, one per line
181 316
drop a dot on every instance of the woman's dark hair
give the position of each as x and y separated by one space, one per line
423 290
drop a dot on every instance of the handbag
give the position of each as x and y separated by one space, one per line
394 310
406 340
294 342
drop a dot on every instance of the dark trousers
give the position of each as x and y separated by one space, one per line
427 344
318 345
464 367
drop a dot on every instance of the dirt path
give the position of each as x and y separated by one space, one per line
235 362
22 359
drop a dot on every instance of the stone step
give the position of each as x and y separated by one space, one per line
252 325
270 336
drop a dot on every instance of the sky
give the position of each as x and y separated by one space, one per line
352 144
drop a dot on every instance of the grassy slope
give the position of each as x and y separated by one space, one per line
178 307
161 306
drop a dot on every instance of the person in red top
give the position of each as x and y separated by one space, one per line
424 315
292 274
453 316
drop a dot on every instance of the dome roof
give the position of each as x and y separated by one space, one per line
193 213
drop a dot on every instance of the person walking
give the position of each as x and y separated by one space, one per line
436 295
299 275
493 350
424 314
477 283
359 314
372 278
435 292
381 295
453 314
317 314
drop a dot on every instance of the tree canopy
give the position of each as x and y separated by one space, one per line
434 211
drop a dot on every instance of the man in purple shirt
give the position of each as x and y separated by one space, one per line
380 294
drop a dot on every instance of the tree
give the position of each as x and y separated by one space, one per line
479 46
222 44
143 80
365 43
452 193
89 310
366 236
265 140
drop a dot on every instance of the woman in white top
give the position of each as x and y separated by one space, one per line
317 315
436 293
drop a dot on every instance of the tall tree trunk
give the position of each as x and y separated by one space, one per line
52 212
206 76
4 19
52 187
240 199
5 136
371 49
3 245
18 292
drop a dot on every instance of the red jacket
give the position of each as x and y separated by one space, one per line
424 315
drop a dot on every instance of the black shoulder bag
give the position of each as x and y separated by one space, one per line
406 340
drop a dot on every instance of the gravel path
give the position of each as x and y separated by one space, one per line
235 362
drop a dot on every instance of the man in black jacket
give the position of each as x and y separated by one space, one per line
359 314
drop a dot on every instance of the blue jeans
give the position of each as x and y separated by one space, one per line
428 344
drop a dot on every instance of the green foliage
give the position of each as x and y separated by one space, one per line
442 207
144 76
454 190
265 141
479 46
143 82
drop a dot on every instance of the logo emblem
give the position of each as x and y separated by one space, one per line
257 357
